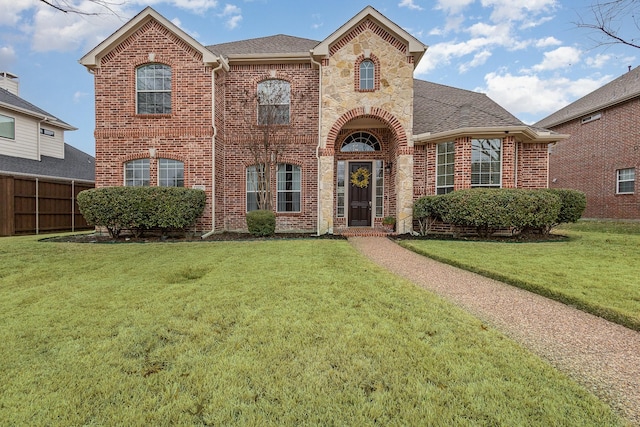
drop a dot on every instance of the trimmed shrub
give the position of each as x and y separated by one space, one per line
261 223
141 208
488 210
427 210
572 204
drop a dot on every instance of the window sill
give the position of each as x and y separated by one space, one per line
153 116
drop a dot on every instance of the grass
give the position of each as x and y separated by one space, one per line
596 269
254 333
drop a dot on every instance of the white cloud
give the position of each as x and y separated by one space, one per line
561 57
453 6
530 94
409 4
11 11
7 57
478 59
233 22
548 41
78 96
234 14
231 9
198 6
598 61
518 10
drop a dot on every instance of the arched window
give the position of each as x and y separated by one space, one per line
367 75
274 97
360 141
153 89
170 173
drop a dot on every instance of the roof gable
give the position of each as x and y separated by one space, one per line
92 58
620 90
371 18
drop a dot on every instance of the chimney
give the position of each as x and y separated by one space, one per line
9 82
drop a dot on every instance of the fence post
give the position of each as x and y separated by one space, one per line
73 205
37 209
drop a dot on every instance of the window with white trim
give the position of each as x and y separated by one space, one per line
274 99
379 189
625 181
288 179
486 163
360 142
7 127
170 173
136 173
340 188
47 132
367 74
445 167
255 182
153 89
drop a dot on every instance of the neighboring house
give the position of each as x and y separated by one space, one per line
360 138
602 156
40 175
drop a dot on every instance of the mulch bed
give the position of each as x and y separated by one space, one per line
182 237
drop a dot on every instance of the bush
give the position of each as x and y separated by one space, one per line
489 210
572 205
427 210
141 208
261 223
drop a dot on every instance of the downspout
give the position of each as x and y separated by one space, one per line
213 146
319 183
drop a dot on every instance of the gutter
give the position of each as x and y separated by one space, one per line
318 175
213 146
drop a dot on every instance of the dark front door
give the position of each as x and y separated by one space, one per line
361 183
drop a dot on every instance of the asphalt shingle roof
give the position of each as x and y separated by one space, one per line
75 165
265 45
623 88
440 108
12 100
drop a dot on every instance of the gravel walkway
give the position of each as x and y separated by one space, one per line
602 356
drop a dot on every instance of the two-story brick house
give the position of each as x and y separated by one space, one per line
358 137
602 156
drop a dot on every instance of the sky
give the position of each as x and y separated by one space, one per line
527 55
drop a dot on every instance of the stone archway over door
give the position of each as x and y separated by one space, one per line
360 197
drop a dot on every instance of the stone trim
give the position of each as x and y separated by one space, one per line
377 113
376 73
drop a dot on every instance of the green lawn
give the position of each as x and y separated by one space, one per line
297 332
597 269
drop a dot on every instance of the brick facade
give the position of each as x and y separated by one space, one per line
589 160
214 119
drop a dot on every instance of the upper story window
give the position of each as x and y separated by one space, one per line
445 167
170 173
486 163
136 173
7 127
367 75
626 181
153 89
47 132
274 99
360 141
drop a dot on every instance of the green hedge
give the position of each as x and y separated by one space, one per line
488 210
141 208
261 222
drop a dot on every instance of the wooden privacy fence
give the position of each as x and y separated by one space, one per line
31 205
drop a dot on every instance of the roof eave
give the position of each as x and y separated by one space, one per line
91 60
525 134
49 119
246 58
591 110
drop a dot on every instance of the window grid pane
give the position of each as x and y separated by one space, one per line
379 189
360 142
340 189
170 173
7 127
274 99
255 179
445 155
486 163
626 181
153 86
367 70
288 188
136 173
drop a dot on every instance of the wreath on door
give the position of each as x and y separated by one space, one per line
360 177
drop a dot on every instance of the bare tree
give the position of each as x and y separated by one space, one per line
266 135
66 6
613 22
